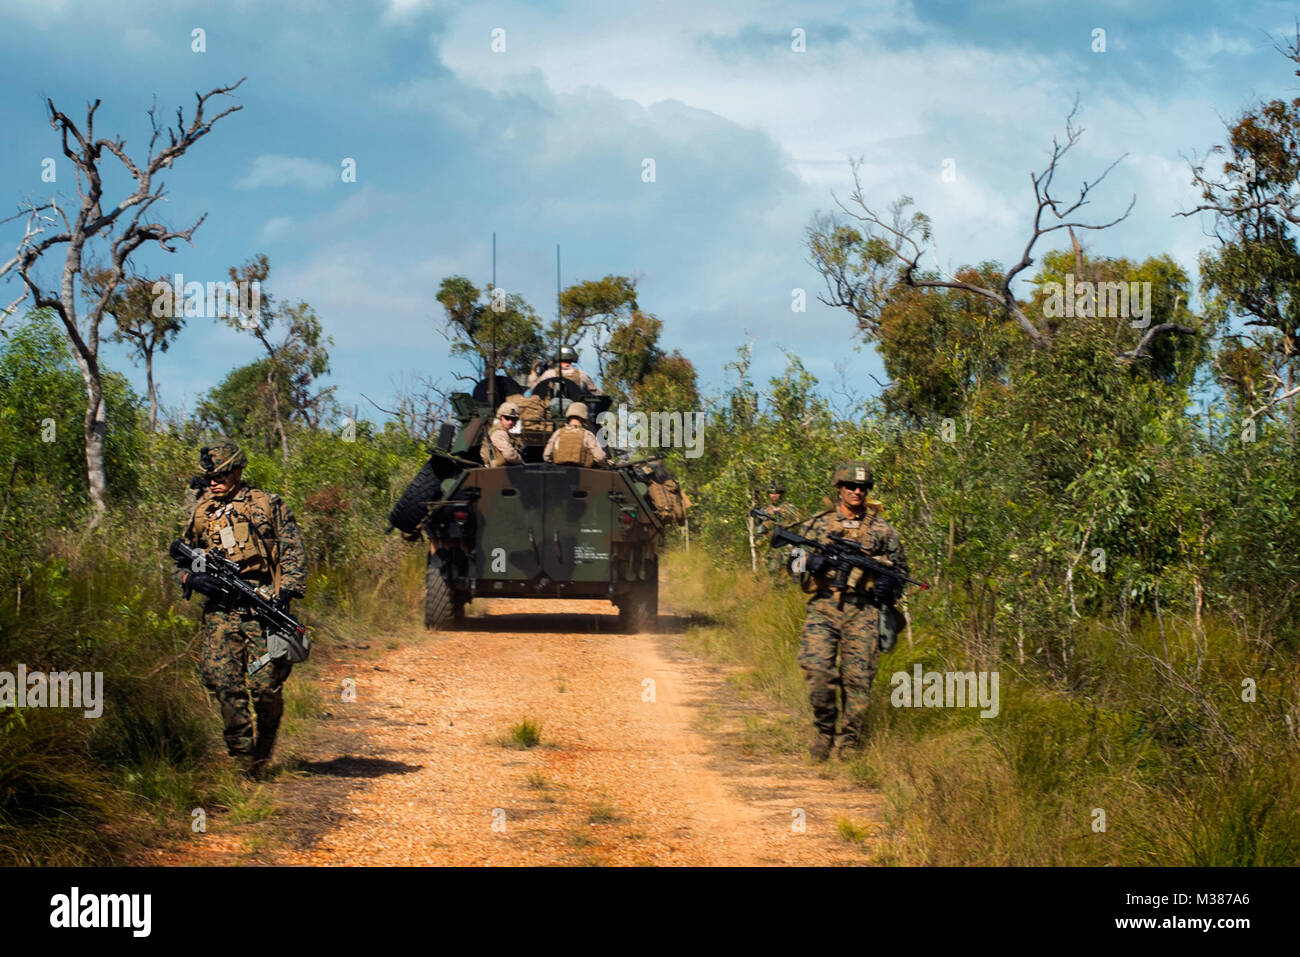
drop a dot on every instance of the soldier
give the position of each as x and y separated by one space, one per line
844 623
568 370
258 532
783 515
574 444
500 447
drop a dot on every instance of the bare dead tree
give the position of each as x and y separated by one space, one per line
895 244
90 221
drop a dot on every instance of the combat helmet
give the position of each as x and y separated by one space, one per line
222 456
508 408
854 471
578 409
776 485
568 354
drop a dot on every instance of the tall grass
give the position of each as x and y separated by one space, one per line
75 790
1150 757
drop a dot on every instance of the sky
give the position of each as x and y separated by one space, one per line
536 120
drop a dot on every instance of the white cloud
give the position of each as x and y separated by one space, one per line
274 228
270 170
1197 52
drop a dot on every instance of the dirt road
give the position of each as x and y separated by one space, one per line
638 760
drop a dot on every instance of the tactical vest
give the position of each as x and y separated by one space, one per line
571 448
857 530
491 454
241 529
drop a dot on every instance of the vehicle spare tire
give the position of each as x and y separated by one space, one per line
411 508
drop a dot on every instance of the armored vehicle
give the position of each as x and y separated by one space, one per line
535 530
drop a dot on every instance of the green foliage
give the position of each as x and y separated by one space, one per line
240 406
42 410
642 376
1187 773
73 597
594 308
526 734
787 433
1252 275
504 332
292 365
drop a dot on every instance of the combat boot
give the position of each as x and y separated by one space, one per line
846 746
269 712
821 748
249 765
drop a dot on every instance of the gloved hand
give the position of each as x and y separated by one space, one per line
285 596
204 584
815 563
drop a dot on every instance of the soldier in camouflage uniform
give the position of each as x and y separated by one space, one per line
500 447
574 444
258 532
568 369
783 515
844 624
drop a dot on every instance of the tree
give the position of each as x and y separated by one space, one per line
295 362
40 442
137 322
942 347
641 374
595 307
1254 274
861 269
90 222
241 405
503 334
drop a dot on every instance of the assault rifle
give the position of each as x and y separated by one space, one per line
843 555
286 637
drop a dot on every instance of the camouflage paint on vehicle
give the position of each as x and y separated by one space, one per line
531 531
543 530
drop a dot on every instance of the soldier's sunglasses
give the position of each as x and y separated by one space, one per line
854 486
511 418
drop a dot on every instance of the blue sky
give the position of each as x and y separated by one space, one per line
544 143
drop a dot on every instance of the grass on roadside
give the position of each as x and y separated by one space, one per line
1155 759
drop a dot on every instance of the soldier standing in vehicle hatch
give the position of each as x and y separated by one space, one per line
568 369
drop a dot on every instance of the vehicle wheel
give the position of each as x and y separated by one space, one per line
639 610
413 505
439 609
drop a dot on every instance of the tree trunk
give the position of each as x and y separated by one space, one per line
275 411
86 353
153 393
95 432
